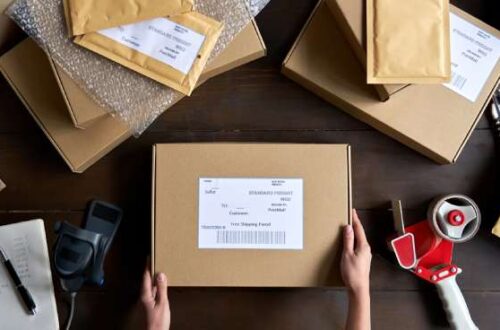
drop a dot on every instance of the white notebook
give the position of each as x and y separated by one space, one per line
25 244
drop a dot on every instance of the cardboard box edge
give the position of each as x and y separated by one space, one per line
349 185
153 213
301 33
37 120
381 127
360 53
241 61
476 121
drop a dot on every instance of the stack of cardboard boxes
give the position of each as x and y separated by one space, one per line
328 56
81 130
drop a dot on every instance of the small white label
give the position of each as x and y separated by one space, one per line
161 39
474 54
255 213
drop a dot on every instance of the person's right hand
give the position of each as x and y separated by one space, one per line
356 257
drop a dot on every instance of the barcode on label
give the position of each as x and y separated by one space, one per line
457 80
251 237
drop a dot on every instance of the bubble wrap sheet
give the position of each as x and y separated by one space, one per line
137 100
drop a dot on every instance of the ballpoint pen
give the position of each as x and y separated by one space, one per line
23 292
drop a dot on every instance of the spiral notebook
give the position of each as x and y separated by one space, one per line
25 244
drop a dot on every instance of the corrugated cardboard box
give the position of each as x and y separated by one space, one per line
350 16
432 119
27 70
248 45
193 183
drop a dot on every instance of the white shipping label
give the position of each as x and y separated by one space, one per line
474 54
250 213
161 39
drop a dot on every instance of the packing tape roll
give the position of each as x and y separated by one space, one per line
454 217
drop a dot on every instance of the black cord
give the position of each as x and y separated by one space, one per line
71 311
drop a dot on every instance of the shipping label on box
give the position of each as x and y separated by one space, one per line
474 54
250 213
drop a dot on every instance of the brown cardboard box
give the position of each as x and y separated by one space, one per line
248 45
177 170
27 70
350 16
431 119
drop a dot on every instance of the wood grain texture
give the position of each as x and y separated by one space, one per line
256 103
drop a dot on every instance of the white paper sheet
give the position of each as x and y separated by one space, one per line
161 39
474 54
26 246
250 213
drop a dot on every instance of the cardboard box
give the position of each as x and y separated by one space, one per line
246 47
27 70
431 119
178 170
350 16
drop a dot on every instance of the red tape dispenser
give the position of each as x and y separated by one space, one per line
426 249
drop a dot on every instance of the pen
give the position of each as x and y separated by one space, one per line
23 292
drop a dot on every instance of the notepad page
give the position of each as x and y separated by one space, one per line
25 244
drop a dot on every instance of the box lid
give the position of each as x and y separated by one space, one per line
177 168
431 119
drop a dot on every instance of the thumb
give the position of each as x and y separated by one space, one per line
161 292
348 239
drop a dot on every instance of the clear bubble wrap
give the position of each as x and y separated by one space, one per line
135 99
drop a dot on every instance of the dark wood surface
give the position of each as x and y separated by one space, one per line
257 103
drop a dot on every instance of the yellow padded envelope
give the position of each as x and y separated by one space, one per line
83 16
408 41
171 51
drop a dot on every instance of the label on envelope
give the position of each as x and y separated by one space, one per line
251 213
474 54
161 39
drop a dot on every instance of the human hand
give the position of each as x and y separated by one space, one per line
356 257
154 307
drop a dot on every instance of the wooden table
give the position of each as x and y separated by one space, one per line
257 103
